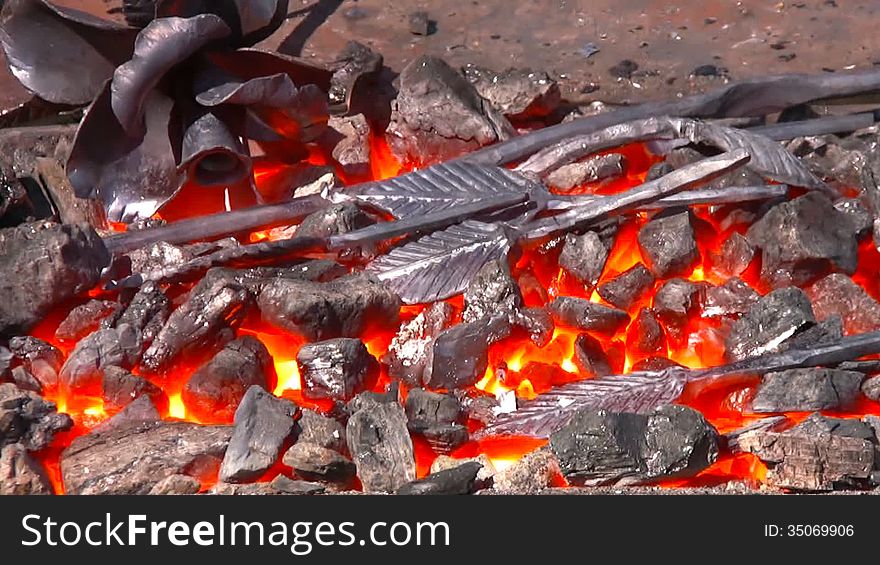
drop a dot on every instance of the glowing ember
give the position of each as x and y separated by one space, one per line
516 363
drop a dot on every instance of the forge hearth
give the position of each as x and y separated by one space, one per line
240 272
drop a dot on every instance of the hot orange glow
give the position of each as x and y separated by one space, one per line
515 365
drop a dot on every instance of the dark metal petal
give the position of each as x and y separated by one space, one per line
277 91
161 45
247 64
211 155
62 55
132 176
251 20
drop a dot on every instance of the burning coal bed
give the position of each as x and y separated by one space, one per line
645 301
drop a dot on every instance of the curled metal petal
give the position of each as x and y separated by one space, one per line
247 64
132 176
163 44
277 91
211 155
251 20
62 55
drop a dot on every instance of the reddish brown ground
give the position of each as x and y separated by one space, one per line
667 39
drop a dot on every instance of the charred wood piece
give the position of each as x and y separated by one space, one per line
337 368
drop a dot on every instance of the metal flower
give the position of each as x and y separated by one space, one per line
176 101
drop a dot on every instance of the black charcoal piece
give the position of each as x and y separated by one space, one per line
733 298
519 94
25 380
337 368
419 23
858 213
599 447
27 418
826 332
315 463
445 438
213 309
583 257
121 388
803 239
286 485
42 359
334 220
391 395
808 460
871 388
591 169
216 389
426 409
590 357
41 265
438 115
803 390
735 256
817 424
407 355
456 481
322 431
532 474
624 69
478 405
626 288
645 336
83 371
263 424
767 325
381 447
492 291
654 364
6 359
21 474
460 355
838 295
538 323
357 65
349 137
141 409
147 312
668 245
658 170
85 319
176 485
340 308
133 458
675 301
580 313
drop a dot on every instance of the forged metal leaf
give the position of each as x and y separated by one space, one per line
247 64
62 55
132 176
274 90
636 392
161 45
211 155
251 20
440 187
442 264
769 158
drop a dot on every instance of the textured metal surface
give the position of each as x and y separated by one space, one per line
636 392
441 187
769 158
442 264
642 392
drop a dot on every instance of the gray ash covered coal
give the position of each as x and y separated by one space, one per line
42 265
